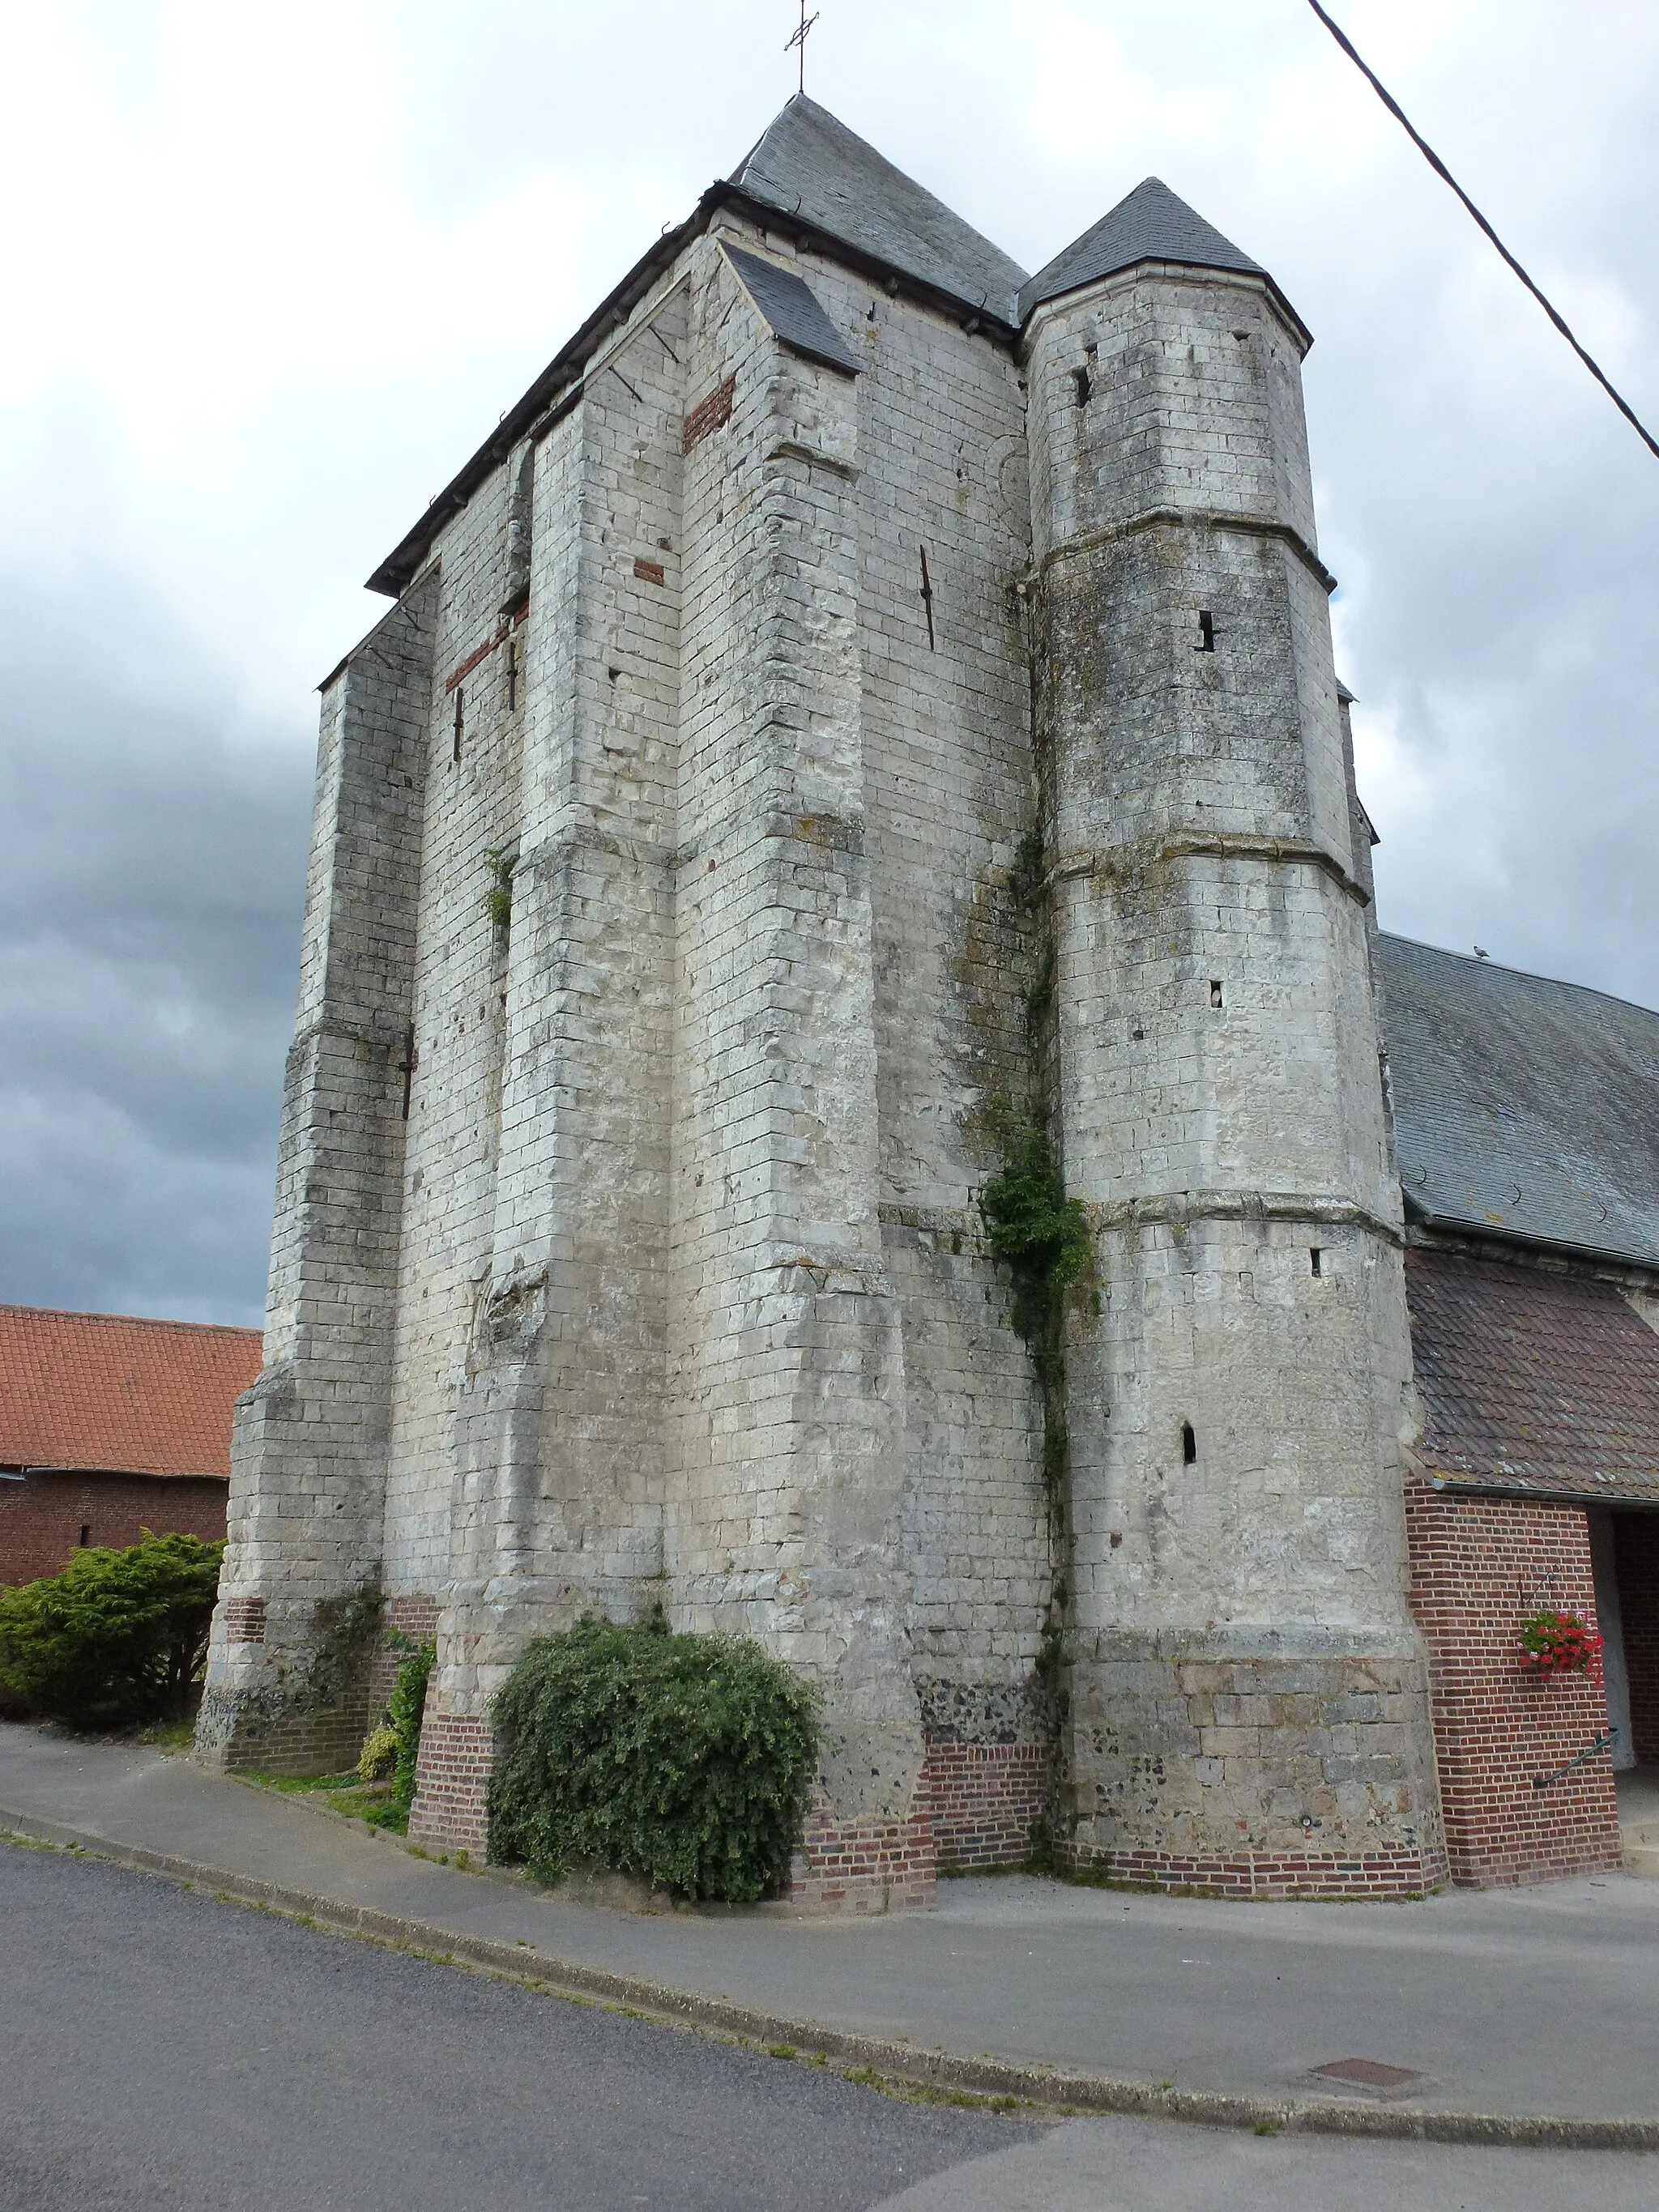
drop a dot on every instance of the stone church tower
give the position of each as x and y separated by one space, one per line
861 702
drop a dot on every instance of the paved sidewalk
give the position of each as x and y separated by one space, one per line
1535 2001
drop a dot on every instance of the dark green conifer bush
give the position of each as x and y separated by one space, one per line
119 1636
687 1761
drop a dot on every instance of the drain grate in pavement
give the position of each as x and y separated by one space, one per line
1369 2075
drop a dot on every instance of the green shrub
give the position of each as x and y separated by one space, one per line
378 1758
392 1749
684 1760
1041 1233
406 1712
118 1637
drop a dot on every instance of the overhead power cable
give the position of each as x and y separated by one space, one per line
1445 174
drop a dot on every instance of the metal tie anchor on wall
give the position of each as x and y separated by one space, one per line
1603 1742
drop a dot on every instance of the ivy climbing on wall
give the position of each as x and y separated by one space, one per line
1043 1236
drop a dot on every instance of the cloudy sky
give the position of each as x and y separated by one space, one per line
272 274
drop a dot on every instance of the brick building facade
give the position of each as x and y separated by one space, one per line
861 703
110 1427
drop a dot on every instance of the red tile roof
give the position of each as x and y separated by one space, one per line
132 1397
1537 1382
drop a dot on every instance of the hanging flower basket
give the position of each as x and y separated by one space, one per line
1559 1643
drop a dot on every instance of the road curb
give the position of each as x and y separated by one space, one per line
934 2069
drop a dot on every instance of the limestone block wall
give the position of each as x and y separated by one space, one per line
553 1434
287 1680
694 1303
1246 1693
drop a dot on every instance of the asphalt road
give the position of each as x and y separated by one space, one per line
161 2051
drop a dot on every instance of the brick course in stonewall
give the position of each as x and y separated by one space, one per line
452 1782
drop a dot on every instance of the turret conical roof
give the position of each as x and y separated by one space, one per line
810 165
1151 224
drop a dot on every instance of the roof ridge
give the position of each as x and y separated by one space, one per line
133 1321
818 171
1526 975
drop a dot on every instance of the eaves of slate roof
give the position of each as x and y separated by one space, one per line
114 1394
1524 1109
1532 1382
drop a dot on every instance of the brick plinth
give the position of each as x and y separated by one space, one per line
1480 1566
984 1800
451 1783
871 1866
1382 1875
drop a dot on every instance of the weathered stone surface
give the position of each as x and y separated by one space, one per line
672 1287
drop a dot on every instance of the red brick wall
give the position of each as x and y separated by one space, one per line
452 1782
984 1800
1635 1560
41 1517
1480 1566
869 1866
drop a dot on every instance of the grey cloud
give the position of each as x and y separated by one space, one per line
149 915
1490 515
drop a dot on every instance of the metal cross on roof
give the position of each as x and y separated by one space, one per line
797 41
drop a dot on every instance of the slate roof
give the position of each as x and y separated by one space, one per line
809 164
1150 224
792 309
1523 1108
1535 1383
810 167
107 1393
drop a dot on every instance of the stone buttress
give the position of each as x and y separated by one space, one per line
298 1618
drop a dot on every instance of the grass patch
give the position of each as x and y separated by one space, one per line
375 1803
169 1735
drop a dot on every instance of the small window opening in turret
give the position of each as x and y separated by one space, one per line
1080 381
86 1535
1188 1444
1215 991
460 722
1316 1260
1205 631
512 676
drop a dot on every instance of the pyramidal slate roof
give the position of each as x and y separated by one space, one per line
810 165
1523 1108
1151 224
